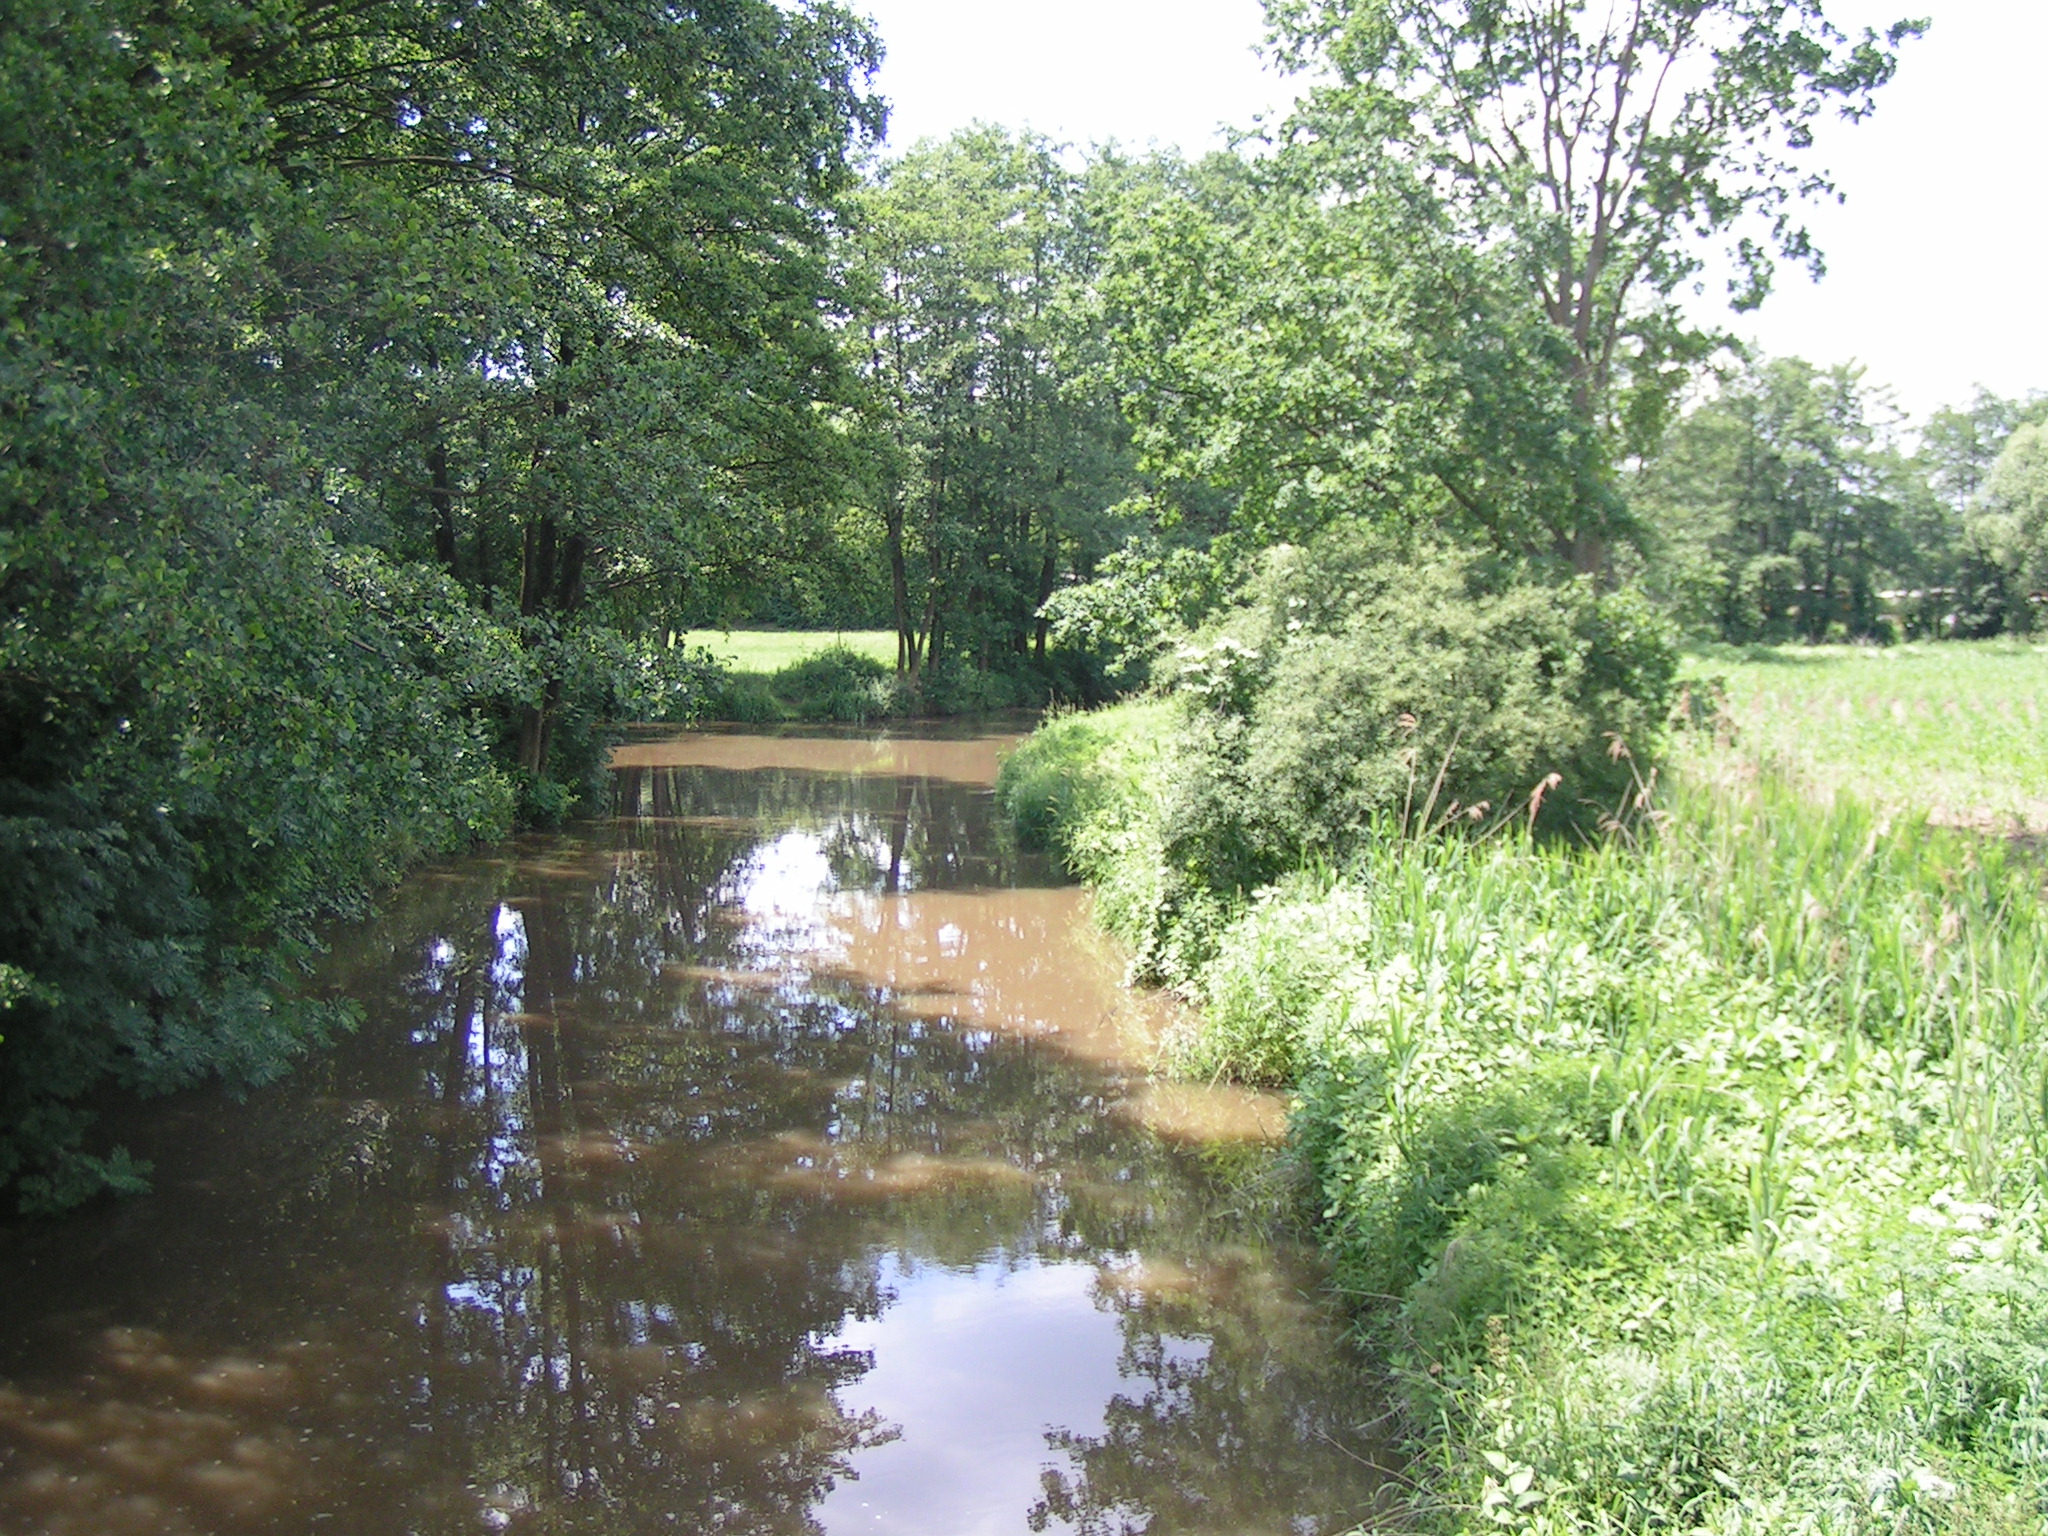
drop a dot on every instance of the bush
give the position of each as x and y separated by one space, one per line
1357 692
838 683
203 755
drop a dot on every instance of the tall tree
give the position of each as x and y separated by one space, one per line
1005 449
636 372
1600 144
1318 356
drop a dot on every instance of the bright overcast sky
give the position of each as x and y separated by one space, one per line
1937 265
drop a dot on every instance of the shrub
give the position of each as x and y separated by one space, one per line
204 755
953 687
1357 691
835 684
838 683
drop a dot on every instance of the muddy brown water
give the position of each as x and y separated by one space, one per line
776 1156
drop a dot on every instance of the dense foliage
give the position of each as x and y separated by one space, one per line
1358 691
367 375
1003 455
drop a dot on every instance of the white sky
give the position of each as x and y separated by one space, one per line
1937 265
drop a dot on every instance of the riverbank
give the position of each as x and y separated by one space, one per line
1692 1179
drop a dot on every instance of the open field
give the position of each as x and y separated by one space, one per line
1954 729
770 650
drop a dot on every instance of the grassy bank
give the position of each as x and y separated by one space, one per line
773 676
1692 1180
770 650
1953 729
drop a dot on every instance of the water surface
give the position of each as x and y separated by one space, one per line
775 1156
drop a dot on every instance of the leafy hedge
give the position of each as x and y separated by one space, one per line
1359 690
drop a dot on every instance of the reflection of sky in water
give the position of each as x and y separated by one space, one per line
508 968
778 886
783 876
970 1391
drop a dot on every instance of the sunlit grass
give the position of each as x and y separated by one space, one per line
770 650
1954 729
1691 1179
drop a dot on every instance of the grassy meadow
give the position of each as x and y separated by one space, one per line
1691 1179
1953 729
771 650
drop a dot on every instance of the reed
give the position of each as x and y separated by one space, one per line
1689 1178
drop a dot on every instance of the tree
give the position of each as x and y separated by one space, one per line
2008 526
630 390
1958 447
1002 450
1596 143
1782 504
1313 357
371 377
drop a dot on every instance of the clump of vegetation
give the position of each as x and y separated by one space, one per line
837 684
847 685
1686 1176
1358 688
1358 685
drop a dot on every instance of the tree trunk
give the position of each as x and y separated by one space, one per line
1588 554
899 589
1048 573
441 497
536 587
536 566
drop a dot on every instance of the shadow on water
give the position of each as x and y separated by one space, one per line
777 1156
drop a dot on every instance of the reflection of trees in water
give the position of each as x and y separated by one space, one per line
881 832
625 1183
610 1347
1236 1410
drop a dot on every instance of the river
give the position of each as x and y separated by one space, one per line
775 1156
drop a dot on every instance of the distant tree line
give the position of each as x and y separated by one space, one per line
1788 504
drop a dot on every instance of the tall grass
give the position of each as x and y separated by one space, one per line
1954 728
1689 1180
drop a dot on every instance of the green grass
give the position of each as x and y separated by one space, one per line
770 650
1692 1180
1955 729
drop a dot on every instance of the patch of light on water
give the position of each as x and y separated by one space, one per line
781 888
975 1367
785 876
508 966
